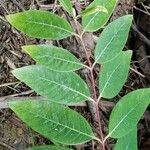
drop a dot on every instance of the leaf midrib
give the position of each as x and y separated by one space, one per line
124 118
49 25
108 44
58 123
61 59
90 21
64 86
107 82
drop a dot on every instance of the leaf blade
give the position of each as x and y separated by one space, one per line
92 10
97 20
118 31
64 125
48 147
66 4
127 142
41 24
113 75
62 87
55 58
127 112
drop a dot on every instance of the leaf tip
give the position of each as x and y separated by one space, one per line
15 72
24 48
11 105
130 17
28 48
129 53
9 18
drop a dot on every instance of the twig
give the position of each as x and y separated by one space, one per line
6 146
141 35
145 12
139 61
94 96
144 7
3 19
2 4
6 99
17 4
140 74
18 94
54 5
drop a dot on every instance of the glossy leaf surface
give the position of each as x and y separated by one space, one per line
54 121
127 112
41 24
66 88
53 57
127 142
66 4
112 40
98 19
113 75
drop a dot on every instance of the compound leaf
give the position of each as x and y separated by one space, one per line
53 57
127 112
41 24
54 121
48 147
61 87
66 4
127 142
98 19
113 75
112 39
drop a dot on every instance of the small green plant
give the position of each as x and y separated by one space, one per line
53 77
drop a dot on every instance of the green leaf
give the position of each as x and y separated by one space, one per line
98 19
113 75
112 39
92 10
53 57
54 121
41 24
61 87
127 142
66 4
48 147
127 112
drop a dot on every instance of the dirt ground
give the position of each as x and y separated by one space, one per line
14 134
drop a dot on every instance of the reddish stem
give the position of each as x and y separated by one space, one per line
94 95
100 125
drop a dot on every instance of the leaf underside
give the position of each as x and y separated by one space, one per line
61 87
53 57
41 24
112 40
97 20
127 112
54 121
113 75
